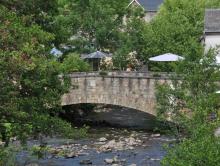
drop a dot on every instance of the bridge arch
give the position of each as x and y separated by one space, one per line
127 89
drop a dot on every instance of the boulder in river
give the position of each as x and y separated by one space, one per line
85 147
114 161
109 161
71 155
155 135
132 141
154 159
112 145
103 139
85 162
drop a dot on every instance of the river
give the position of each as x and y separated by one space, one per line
103 147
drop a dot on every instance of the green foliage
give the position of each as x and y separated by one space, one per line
40 151
31 83
194 95
86 26
190 104
35 11
202 151
73 63
93 24
8 156
30 86
177 28
50 126
31 41
184 38
106 25
103 73
139 37
120 58
212 4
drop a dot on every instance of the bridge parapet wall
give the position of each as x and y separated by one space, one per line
154 75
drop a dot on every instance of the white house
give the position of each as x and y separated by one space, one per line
150 6
212 29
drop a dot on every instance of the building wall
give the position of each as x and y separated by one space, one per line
211 41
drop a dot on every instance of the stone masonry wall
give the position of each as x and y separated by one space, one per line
129 89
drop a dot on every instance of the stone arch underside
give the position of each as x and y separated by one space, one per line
149 109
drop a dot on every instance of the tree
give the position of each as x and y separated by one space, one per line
192 105
73 63
178 27
190 102
30 87
35 11
95 24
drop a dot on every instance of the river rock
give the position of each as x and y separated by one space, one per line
108 147
217 132
131 148
109 161
55 151
103 139
130 141
155 135
154 159
62 147
122 144
85 147
71 155
85 162
115 161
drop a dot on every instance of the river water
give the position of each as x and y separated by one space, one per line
103 147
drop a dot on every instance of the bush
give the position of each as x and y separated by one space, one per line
8 156
202 151
73 63
103 73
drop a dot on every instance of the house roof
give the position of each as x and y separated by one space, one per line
149 5
212 21
95 55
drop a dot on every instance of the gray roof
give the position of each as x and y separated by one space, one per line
95 55
212 21
150 5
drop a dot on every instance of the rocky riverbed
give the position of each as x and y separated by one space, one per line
104 147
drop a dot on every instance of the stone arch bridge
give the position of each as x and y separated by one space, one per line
134 90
